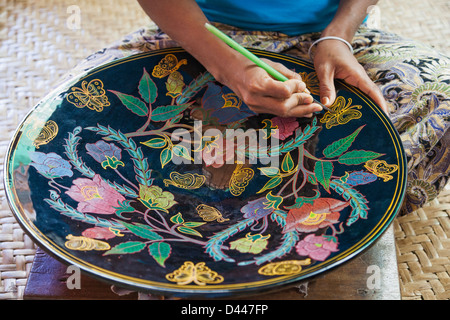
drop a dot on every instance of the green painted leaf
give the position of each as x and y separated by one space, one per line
339 147
192 224
177 219
165 156
147 88
288 164
160 251
189 231
358 157
312 179
127 248
272 201
272 183
323 171
181 151
112 162
142 231
124 207
156 143
270 171
135 105
167 112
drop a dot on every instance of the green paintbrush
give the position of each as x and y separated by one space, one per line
236 46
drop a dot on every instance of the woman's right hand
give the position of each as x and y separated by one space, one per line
263 94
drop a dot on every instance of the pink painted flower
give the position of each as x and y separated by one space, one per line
95 196
316 247
98 233
286 127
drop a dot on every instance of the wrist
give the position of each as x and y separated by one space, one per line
329 38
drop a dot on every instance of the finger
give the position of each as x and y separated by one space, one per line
304 110
283 69
374 92
282 108
277 89
366 85
326 85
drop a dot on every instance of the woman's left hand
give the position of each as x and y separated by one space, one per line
333 59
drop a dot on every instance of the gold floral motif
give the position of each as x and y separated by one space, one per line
240 180
231 101
91 95
85 244
185 181
283 268
381 169
315 218
46 134
198 273
341 113
174 84
167 65
209 214
311 81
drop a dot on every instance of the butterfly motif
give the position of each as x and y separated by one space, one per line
209 214
341 113
85 244
167 65
282 268
185 181
199 273
381 169
46 134
240 179
91 95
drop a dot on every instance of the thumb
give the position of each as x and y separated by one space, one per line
326 86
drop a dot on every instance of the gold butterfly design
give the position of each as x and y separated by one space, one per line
46 134
185 181
167 65
209 214
240 179
198 273
91 95
381 169
341 113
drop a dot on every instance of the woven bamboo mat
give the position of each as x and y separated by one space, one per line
41 40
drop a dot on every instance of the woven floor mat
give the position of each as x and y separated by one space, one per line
41 40
423 251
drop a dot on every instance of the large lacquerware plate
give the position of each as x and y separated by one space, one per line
121 173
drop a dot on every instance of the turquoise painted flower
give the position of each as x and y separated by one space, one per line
107 154
51 165
256 209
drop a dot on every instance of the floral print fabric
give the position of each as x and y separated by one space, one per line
413 77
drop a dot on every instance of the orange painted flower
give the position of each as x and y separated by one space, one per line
322 213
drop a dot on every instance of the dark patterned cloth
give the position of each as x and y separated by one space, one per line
413 77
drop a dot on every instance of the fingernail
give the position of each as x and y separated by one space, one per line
325 100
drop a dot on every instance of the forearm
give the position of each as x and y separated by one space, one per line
348 18
184 22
